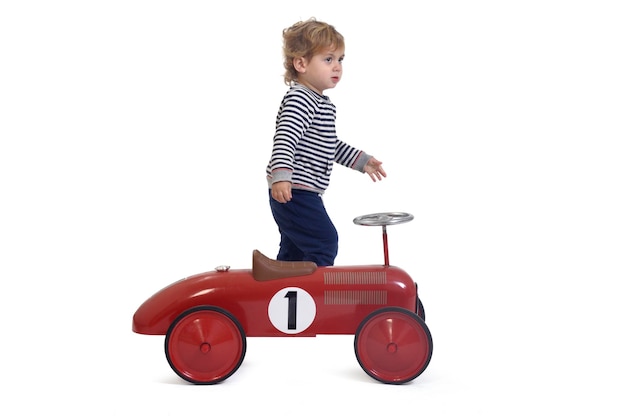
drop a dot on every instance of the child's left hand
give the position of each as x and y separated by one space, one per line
375 169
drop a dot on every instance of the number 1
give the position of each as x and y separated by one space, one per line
293 307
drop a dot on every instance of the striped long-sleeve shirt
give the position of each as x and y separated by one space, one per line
306 143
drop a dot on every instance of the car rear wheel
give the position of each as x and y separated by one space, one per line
421 312
205 345
393 345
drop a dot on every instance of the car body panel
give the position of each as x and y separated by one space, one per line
330 300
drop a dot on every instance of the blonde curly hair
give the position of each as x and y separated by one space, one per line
305 39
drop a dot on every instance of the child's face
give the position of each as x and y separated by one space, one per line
322 71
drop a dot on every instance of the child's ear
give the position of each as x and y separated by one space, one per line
299 64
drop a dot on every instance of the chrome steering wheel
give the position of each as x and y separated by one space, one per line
383 219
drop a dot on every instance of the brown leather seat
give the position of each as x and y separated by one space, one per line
265 269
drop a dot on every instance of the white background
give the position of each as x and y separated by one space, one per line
134 138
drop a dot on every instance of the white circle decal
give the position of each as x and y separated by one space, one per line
291 310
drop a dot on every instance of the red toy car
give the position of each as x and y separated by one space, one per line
207 317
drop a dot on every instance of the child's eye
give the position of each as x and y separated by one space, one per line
329 59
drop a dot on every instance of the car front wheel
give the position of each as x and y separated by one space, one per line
393 345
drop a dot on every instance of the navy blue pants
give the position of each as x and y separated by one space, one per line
306 231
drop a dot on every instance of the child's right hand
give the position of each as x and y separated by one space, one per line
281 191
